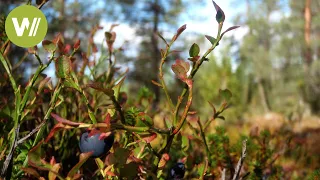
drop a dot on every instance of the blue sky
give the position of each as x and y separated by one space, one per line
208 26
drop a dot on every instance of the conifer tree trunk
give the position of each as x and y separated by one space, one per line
156 52
307 32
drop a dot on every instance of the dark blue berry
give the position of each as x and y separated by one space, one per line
93 143
177 171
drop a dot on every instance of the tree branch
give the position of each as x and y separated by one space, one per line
241 160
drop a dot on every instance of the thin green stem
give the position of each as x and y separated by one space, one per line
6 67
203 137
186 110
163 84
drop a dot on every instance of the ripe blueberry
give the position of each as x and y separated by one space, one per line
94 144
177 171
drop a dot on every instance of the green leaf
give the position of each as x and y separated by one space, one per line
117 88
194 50
185 143
70 83
63 66
99 163
211 39
201 169
49 46
220 17
225 94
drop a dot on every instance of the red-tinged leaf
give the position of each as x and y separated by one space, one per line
56 128
163 161
99 87
104 135
67 49
108 119
229 29
63 66
93 132
184 160
60 46
156 83
77 44
109 173
52 161
180 68
179 71
179 31
77 176
54 171
184 64
192 112
194 59
65 121
56 38
220 17
83 158
49 46
150 138
31 171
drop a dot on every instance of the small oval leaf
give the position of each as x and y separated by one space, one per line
49 45
194 50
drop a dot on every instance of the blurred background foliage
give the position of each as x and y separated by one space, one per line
272 67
